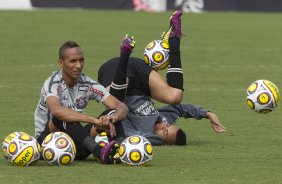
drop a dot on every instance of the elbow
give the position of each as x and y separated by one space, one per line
56 112
176 99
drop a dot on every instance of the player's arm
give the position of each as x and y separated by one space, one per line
216 125
66 114
162 92
173 112
120 108
120 112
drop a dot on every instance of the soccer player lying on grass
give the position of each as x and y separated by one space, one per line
64 96
141 82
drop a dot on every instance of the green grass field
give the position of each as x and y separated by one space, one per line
222 53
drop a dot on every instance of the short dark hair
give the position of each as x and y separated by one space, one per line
180 137
67 45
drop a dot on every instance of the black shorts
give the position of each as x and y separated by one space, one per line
137 72
77 133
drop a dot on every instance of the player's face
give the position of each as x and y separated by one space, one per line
167 132
72 64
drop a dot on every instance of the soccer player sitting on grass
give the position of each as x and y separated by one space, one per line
141 83
64 96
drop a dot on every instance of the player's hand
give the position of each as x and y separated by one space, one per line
112 130
96 122
107 119
107 123
114 118
215 122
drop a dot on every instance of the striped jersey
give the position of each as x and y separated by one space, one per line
75 98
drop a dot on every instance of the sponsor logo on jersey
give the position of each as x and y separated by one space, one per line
146 109
97 91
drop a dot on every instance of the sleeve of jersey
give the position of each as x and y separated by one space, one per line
98 92
173 112
50 89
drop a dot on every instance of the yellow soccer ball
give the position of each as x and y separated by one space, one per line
23 150
7 140
156 54
58 148
263 96
136 150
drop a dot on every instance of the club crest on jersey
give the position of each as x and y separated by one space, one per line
80 102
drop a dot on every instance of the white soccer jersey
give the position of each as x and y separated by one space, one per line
76 98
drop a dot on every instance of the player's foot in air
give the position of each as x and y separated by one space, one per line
174 27
109 152
127 45
175 23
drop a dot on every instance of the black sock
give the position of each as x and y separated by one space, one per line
81 138
118 86
174 72
43 134
90 143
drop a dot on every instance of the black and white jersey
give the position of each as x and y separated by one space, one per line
75 98
142 114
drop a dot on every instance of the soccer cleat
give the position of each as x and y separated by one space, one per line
108 153
165 36
175 23
127 45
174 27
116 155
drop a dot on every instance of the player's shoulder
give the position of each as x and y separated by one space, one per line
86 80
56 77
